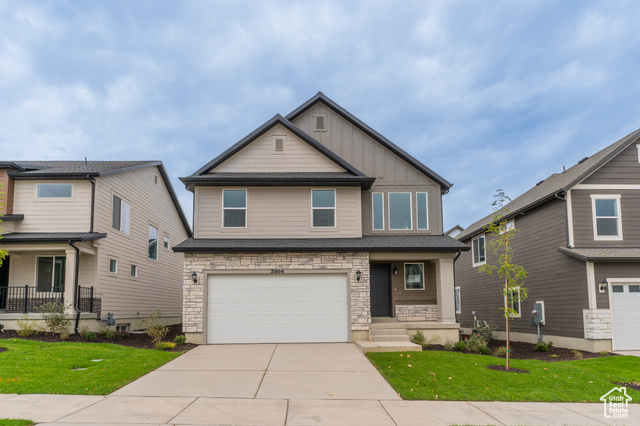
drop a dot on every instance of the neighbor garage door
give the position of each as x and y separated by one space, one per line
625 309
286 308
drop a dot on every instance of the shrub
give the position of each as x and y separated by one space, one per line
26 327
459 346
54 317
165 346
476 343
87 334
576 354
484 350
485 330
543 347
448 345
108 334
64 335
602 353
123 335
501 351
418 338
154 328
180 340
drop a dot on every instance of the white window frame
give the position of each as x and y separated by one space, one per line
334 208
457 300
519 314
426 195
509 226
165 242
69 198
373 212
410 211
404 271
114 262
473 250
245 208
597 237
157 241
638 148
133 271
127 230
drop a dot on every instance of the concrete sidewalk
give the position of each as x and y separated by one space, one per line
134 410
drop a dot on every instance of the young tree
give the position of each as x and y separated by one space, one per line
511 275
3 253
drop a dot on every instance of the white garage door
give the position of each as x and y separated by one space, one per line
625 309
288 308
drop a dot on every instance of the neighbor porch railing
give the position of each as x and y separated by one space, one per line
28 299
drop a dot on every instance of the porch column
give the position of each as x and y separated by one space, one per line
69 278
445 290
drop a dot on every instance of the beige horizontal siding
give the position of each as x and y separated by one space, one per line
260 156
277 212
53 214
159 283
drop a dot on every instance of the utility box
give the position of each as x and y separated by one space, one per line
538 313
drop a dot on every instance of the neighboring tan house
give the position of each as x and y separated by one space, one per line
94 235
310 226
579 240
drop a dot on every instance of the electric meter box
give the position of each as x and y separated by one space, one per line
538 313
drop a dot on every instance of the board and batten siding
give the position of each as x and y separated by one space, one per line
277 212
52 214
582 211
392 173
260 156
159 282
624 168
558 280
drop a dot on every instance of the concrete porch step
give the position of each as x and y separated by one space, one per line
390 338
366 346
388 331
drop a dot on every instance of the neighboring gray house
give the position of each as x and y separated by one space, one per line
311 227
579 240
105 226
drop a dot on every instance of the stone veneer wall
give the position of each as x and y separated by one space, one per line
417 312
597 324
193 294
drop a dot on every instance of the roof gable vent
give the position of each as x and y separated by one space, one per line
319 122
278 144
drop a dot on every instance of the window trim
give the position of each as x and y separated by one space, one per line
133 266
597 237
122 200
69 198
165 242
426 195
510 302
157 241
457 299
113 261
373 217
404 267
410 228
484 250
334 208
245 208
53 256
510 226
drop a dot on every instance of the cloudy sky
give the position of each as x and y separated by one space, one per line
489 94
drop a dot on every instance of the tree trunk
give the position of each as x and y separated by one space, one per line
506 305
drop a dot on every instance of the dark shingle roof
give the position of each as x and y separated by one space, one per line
57 169
369 243
603 254
51 237
556 183
277 179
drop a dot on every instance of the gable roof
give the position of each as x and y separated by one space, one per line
277 119
321 97
556 184
90 169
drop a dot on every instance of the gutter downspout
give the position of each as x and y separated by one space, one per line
93 201
75 286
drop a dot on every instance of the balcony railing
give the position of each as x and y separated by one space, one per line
28 299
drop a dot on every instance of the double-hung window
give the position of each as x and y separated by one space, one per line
477 247
234 208
400 216
153 242
121 215
607 223
377 209
323 208
50 273
513 301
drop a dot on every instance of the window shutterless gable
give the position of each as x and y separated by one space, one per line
478 255
400 211
234 208
607 217
323 208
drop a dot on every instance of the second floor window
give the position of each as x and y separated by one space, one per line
54 190
121 216
234 208
323 206
400 210
422 207
477 247
377 201
153 242
607 224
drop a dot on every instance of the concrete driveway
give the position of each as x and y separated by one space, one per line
274 371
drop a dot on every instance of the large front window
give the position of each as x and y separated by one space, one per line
153 242
400 210
50 273
323 207
607 224
121 215
234 208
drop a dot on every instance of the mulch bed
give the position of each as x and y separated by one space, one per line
504 368
3 349
522 350
635 386
135 340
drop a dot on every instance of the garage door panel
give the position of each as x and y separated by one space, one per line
625 311
277 308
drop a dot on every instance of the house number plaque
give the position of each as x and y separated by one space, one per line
277 271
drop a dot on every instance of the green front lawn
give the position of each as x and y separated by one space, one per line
37 367
16 422
455 376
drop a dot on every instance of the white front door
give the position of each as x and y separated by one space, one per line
280 308
625 312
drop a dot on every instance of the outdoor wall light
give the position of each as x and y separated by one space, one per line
358 275
395 270
603 286
194 277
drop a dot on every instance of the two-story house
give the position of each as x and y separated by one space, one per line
95 235
579 240
310 227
